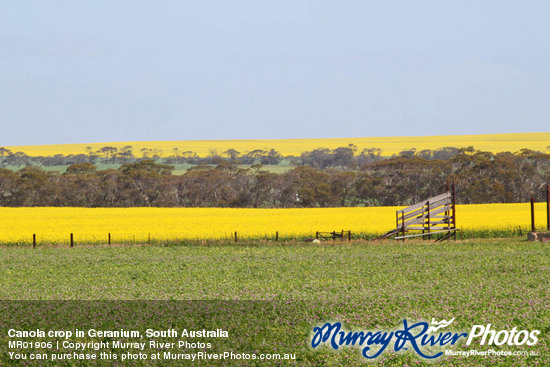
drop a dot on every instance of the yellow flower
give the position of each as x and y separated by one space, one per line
52 225
389 145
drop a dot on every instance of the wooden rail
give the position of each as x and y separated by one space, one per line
435 215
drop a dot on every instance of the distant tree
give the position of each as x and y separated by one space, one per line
267 190
4 152
110 188
232 154
308 187
273 157
18 159
108 153
254 156
157 153
226 165
81 169
144 183
407 153
146 165
424 154
369 155
343 157
215 187
318 158
342 188
126 153
447 153
30 184
146 153
190 157
189 154
8 187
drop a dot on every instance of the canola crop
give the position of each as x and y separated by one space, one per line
92 225
389 145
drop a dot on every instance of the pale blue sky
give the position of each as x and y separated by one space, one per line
97 71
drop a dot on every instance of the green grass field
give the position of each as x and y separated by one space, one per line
365 285
266 271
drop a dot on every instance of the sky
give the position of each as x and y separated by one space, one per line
105 71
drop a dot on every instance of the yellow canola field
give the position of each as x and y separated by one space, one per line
389 145
53 225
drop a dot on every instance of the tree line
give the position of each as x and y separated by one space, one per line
347 157
343 157
114 155
480 177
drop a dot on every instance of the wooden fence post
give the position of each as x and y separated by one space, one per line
277 236
454 210
349 235
34 240
429 223
396 220
317 235
447 217
532 214
403 224
109 238
548 207
72 243
235 236
342 235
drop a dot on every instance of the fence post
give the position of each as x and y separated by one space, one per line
235 236
429 222
277 236
342 235
109 238
447 212
548 207
34 240
532 214
72 243
397 220
403 224
454 210
317 235
349 235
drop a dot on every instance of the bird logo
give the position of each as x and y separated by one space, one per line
439 325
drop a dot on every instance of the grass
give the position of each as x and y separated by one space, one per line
293 286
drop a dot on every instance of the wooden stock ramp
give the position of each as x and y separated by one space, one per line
434 216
